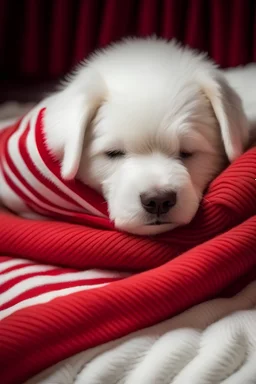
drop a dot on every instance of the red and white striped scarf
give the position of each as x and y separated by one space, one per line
34 177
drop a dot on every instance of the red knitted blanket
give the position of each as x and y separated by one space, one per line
59 294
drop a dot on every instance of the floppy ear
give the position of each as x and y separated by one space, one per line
68 115
229 112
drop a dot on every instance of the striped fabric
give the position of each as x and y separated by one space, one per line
25 283
33 176
58 296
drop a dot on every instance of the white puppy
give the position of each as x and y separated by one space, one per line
148 124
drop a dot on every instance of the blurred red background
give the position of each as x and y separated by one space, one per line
40 40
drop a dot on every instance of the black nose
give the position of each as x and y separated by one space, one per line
158 204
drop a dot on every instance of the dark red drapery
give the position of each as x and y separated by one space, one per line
43 39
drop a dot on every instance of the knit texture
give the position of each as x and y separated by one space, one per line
181 350
168 273
31 177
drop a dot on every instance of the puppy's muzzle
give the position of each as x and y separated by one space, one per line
158 204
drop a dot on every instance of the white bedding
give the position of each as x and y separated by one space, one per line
214 342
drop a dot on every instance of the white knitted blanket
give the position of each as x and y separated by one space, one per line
214 342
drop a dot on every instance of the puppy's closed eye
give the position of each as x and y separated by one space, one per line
114 154
185 155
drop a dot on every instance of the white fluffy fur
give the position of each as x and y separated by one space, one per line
151 99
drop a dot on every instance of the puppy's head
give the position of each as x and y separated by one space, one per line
149 125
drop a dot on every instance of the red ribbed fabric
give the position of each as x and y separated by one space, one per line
216 254
44 39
